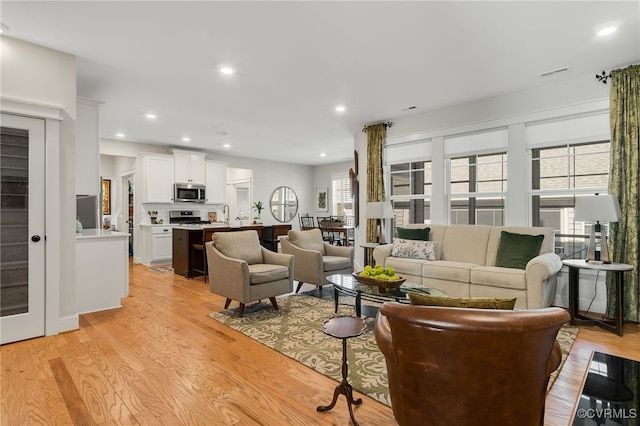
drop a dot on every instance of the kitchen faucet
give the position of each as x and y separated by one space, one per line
225 212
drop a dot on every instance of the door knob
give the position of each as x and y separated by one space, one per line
35 238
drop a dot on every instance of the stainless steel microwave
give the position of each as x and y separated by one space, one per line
189 193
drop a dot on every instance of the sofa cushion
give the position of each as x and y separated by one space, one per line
242 245
516 250
465 243
499 277
414 233
414 249
260 273
446 270
462 302
404 266
334 263
310 239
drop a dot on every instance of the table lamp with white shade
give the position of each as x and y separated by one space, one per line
379 210
597 208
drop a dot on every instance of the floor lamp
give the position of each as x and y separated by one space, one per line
596 208
379 211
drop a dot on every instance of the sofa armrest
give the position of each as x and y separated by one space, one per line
543 267
339 251
540 274
381 253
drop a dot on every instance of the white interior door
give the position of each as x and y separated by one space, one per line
22 228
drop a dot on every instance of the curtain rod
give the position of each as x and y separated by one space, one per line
387 124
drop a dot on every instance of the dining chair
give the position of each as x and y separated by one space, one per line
307 222
351 231
324 223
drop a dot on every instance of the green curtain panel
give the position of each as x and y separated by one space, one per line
375 183
623 183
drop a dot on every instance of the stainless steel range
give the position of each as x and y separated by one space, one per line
186 217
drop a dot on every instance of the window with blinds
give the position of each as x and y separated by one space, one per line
559 174
341 199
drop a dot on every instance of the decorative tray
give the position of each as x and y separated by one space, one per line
383 285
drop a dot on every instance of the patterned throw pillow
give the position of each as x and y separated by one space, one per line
414 249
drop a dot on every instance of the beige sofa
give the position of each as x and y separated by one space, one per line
464 265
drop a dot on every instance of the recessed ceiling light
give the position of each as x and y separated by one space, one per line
3 28
151 116
322 154
120 135
226 70
186 139
341 108
607 29
226 145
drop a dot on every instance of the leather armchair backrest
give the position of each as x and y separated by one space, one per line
454 366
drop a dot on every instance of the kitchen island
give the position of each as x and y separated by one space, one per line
184 258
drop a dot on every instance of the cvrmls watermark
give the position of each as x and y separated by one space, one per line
607 413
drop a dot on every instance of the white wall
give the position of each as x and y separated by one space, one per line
322 179
267 175
35 74
547 102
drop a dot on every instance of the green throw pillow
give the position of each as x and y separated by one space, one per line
414 233
462 302
516 250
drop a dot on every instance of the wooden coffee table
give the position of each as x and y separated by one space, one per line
347 285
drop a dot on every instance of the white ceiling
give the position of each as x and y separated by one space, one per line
296 61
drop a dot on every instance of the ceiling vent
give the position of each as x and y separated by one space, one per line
553 72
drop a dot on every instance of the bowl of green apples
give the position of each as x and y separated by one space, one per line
383 278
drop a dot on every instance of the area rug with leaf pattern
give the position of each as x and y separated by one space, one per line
295 330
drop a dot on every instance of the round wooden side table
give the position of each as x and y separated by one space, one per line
344 328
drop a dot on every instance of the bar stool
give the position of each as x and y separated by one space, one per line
197 249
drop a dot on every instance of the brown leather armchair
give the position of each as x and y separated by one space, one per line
457 366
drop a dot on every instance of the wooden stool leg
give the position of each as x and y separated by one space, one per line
241 310
226 303
204 262
299 285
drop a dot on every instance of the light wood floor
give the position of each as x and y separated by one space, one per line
160 360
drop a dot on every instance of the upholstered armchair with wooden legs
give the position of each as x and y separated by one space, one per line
315 258
241 269
457 366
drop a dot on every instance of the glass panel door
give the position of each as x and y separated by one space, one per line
21 228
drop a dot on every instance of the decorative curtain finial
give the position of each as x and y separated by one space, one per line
604 77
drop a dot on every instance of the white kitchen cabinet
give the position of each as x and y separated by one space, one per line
156 244
87 146
154 178
216 182
102 269
189 167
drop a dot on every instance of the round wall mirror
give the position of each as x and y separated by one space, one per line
284 204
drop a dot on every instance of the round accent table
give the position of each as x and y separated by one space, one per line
617 269
344 328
